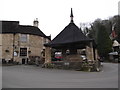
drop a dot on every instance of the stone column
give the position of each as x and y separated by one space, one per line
47 55
96 54
64 54
89 52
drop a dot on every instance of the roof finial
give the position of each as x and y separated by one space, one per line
71 16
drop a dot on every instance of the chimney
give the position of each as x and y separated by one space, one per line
36 22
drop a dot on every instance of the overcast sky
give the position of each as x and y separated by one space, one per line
54 15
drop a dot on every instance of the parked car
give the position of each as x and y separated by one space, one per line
58 56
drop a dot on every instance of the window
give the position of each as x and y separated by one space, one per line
46 40
23 38
23 51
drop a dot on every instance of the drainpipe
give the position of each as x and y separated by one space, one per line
13 44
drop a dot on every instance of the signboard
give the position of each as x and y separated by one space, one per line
15 53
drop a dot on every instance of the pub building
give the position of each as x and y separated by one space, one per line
22 44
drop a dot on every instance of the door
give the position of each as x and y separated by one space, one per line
23 54
23 61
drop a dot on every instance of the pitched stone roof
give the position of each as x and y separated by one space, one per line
29 30
115 43
118 39
14 27
9 26
70 34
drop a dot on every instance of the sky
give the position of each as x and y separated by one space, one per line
54 15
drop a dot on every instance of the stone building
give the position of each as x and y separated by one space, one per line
20 43
71 42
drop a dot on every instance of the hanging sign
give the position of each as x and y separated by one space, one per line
15 53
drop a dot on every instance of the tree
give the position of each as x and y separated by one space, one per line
93 30
108 25
104 43
116 20
86 30
100 31
117 28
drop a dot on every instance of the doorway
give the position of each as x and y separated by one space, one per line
23 61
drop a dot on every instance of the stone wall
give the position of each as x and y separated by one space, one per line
48 55
0 46
7 46
89 52
34 45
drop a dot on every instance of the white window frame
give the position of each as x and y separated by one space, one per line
23 38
